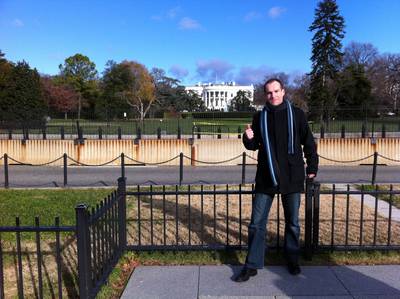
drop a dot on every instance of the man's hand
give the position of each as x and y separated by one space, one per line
249 132
311 175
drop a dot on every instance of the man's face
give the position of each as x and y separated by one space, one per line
274 93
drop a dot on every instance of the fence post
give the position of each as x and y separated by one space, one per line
78 129
119 133
198 132
373 128
322 132
343 134
62 133
244 168
44 133
1 271
315 228
6 171
383 131
363 131
83 242
9 134
219 132
65 159
180 168
179 132
26 134
158 133
139 133
100 133
374 168
239 133
122 165
121 191
308 220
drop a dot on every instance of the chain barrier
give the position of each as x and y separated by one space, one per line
103 164
29 164
213 163
187 157
251 158
149 163
349 161
387 158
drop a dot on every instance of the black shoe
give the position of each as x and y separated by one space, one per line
245 274
294 268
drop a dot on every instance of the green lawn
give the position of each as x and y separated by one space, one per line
46 204
210 125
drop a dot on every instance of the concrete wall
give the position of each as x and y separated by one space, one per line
207 150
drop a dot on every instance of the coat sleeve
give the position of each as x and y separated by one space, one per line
309 146
253 144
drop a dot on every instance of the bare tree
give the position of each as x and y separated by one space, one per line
392 78
140 93
361 54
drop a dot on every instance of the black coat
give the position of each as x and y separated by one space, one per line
289 168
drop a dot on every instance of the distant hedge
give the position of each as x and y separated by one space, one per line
217 114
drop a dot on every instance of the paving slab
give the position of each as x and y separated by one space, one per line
166 282
275 297
314 297
237 297
367 280
215 282
377 297
270 281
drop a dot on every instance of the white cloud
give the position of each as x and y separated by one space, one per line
189 24
214 70
173 12
178 72
252 75
251 16
275 12
17 23
169 14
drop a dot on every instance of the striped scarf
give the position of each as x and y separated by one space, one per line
265 137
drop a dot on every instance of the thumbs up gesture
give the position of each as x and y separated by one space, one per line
249 132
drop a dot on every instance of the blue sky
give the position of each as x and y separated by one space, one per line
238 40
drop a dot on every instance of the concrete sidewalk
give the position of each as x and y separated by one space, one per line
190 282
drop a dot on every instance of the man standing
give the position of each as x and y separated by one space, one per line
278 132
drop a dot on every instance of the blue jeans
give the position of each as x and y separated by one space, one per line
257 228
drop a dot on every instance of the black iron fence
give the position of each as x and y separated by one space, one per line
188 218
82 259
24 257
124 159
362 218
101 238
216 218
186 128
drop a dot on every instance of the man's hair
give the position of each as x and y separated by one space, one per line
273 80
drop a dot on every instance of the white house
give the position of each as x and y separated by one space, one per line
218 96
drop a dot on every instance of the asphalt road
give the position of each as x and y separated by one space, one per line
43 177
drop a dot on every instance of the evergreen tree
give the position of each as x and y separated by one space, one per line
328 28
21 99
354 96
241 102
116 78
